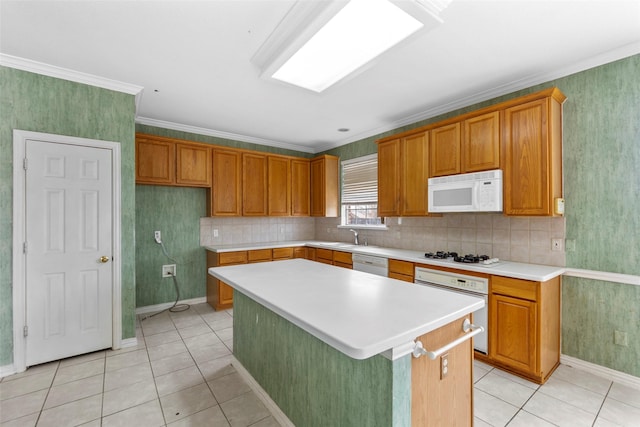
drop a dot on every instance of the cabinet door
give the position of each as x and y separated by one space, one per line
414 175
300 187
513 329
193 165
226 193
481 143
225 294
279 188
445 150
254 184
155 162
526 159
324 186
389 178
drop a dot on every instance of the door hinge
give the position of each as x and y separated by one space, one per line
24 247
25 330
24 163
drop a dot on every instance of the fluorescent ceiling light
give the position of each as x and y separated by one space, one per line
358 33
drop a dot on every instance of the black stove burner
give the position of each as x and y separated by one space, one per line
441 255
471 259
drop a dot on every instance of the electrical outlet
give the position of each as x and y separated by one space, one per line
556 244
215 232
157 236
444 366
168 270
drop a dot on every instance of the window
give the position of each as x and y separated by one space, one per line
360 192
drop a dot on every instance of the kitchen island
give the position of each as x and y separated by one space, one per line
333 346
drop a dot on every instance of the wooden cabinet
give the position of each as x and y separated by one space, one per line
524 326
480 145
219 294
532 152
324 256
445 150
342 259
254 184
279 186
443 400
470 145
402 176
401 270
173 162
225 198
300 252
324 186
300 187
193 165
258 255
155 161
282 253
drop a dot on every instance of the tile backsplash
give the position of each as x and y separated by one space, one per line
521 239
242 230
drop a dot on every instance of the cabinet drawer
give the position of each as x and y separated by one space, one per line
324 254
401 267
232 258
517 288
283 253
300 252
342 257
403 277
258 255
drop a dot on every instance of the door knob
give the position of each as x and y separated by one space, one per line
104 259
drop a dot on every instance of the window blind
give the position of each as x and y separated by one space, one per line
360 180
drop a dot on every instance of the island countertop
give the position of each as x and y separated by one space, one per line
357 313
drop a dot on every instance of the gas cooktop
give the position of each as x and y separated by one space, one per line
484 260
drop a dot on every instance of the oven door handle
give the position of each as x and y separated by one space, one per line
467 326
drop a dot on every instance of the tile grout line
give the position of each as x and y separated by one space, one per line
606 396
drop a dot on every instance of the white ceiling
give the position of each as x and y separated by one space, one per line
197 54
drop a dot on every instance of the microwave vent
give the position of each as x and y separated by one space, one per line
475 176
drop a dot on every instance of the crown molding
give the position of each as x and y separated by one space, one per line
516 85
221 134
71 75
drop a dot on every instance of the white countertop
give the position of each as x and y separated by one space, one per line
357 313
517 270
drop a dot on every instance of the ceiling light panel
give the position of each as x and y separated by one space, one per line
359 32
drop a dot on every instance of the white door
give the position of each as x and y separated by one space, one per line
68 250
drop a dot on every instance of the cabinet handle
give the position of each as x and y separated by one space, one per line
467 326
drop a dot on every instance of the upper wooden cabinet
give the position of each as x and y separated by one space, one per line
167 161
300 187
469 145
402 176
254 184
324 186
480 147
225 198
445 150
279 186
532 153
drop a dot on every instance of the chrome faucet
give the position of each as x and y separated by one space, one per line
355 235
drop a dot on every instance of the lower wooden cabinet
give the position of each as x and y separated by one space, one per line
524 326
219 294
401 270
342 259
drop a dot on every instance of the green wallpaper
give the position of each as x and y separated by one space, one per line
601 156
43 104
295 369
176 212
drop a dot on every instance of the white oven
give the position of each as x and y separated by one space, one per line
469 285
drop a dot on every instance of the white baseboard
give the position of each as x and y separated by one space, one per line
164 306
608 373
277 413
129 342
7 370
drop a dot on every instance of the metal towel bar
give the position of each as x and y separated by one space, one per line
467 326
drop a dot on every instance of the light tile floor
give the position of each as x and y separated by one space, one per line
181 374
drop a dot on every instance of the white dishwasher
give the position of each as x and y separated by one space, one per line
371 264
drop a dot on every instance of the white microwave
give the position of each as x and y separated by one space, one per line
469 192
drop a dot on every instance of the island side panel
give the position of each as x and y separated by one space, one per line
314 384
